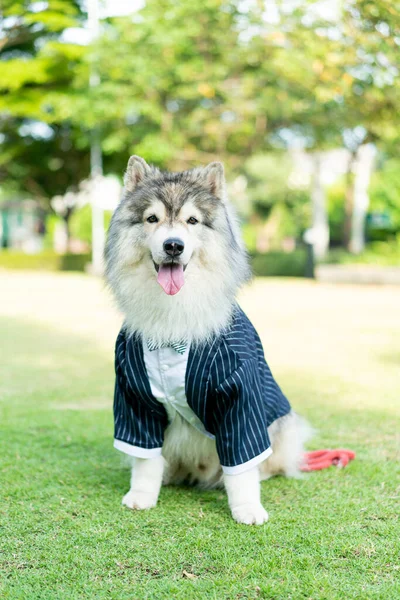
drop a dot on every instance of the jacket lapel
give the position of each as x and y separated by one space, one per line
137 374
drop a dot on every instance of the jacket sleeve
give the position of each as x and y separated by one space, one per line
139 421
241 432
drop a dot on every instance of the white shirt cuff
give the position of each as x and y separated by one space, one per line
237 469
136 450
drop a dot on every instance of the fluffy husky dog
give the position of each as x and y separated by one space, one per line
175 261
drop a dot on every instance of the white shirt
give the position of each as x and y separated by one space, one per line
166 370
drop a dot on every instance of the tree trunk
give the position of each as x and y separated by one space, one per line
362 174
66 219
320 226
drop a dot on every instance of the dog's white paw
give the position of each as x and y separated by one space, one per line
250 514
139 500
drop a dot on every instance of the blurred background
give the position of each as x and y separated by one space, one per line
300 100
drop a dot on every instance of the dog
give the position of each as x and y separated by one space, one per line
195 401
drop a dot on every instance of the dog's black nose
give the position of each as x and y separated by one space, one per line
174 246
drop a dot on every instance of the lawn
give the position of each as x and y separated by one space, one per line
63 532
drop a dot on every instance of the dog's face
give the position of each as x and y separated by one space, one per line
172 220
171 217
174 257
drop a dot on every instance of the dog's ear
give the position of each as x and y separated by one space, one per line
136 171
214 177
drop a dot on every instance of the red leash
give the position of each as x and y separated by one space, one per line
322 459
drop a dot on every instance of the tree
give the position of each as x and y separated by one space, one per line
167 84
341 72
41 153
372 29
187 82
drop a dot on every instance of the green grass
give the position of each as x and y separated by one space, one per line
63 533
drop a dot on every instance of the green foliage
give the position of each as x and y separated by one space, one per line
268 176
249 234
183 83
170 102
51 223
46 261
384 253
372 27
385 191
384 196
274 198
40 153
279 264
80 224
336 212
74 262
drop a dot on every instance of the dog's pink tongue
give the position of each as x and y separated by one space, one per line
171 278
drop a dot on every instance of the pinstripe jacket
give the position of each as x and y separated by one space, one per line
229 386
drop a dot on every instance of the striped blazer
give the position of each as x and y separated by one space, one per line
229 386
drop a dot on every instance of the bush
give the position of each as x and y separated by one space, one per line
384 192
280 264
74 262
376 253
47 261
273 264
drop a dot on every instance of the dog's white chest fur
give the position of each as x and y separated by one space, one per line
166 370
188 448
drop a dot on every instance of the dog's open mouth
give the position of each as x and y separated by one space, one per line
170 276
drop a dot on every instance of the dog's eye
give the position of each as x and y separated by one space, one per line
152 219
192 221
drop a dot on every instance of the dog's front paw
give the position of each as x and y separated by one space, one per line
139 500
250 514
